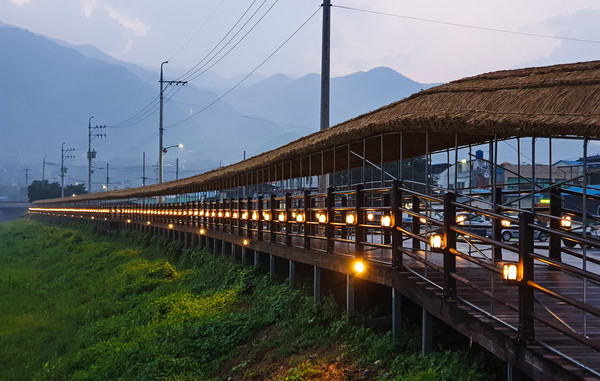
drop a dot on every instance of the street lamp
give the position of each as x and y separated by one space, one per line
164 150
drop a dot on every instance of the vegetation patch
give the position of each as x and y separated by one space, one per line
79 304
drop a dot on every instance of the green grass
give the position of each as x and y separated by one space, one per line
84 306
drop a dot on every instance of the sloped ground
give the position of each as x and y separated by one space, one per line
78 304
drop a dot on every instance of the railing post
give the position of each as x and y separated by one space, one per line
497 227
360 220
230 222
556 212
416 223
386 232
330 204
239 215
248 221
449 243
307 199
273 223
526 328
344 229
288 217
259 221
396 202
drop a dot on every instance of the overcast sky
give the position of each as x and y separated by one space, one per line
184 31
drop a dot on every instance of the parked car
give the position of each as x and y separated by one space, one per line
473 223
508 234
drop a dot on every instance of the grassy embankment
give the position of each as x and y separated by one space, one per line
78 305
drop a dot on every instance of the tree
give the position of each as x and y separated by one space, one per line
41 190
75 189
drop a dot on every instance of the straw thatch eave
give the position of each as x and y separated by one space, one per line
560 100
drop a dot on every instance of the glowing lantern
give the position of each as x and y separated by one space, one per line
350 219
386 221
359 267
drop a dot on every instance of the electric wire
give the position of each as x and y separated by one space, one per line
197 31
153 105
249 74
204 69
222 39
245 116
477 27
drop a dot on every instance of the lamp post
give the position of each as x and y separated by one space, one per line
160 125
89 154
161 161
160 129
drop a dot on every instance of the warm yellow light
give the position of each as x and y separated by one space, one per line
281 217
128 221
245 216
202 231
359 267
460 219
227 214
201 213
370 216
195 212
214 214
170 226
220 214
185 213
235 215
299 217
148 222
245 242
293 214
92 217
435 241
422 220
322 218
350 219
267 216
386 221
505 223
566 222
254 216
510 271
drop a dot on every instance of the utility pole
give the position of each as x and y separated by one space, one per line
107 189
325 63
26 178
143 169
177 169
63 169
44 170
92 154
160 125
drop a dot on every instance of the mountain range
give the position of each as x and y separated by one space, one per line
52 88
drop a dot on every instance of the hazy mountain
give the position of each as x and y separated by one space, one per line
51 88
296 101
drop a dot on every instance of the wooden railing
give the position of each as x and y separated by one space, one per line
394 225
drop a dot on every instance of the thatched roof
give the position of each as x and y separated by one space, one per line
560 100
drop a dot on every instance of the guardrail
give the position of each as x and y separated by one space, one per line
435 237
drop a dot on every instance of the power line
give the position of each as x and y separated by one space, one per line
467 25
245 116
153 106
219 43
249 74
197 30
194 75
